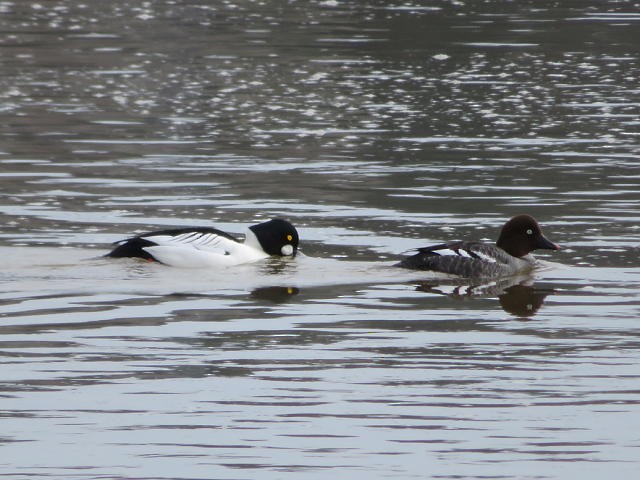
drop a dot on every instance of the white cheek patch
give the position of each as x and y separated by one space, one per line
287 250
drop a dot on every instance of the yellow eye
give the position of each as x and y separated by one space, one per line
289 237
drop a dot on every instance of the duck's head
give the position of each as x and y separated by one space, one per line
521 235
277 237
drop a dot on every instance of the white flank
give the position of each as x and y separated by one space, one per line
198 250
190 257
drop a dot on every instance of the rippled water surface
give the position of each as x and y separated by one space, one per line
376 128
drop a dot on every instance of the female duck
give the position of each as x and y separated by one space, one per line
510 255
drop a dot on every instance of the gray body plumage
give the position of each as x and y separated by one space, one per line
467 259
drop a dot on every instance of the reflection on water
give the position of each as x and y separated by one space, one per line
523 300
275 294
376 128
518 296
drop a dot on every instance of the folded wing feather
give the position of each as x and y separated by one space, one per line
199 249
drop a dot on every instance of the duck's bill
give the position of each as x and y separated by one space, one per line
544 243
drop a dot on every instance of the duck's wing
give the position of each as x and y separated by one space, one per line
470 250
209 240
206 239
198 249
466 259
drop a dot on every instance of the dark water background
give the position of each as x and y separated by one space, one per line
375 127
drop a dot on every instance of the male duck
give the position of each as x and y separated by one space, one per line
210 247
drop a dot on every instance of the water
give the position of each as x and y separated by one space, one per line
375 128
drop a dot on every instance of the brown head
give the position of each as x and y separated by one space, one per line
522 235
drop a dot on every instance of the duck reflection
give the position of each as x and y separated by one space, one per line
275 294
517 296
523 300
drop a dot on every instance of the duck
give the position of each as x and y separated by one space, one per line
511 254
209 247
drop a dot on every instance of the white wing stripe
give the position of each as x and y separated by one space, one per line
184 237
194 240
447 252
458 252
199 239
466 253
208 239
485 257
